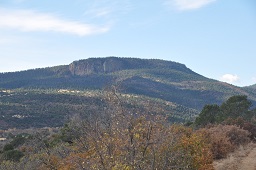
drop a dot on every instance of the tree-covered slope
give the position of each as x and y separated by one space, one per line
100 71
52 108
166 80
252 86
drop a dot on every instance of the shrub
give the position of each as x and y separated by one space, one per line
8 147
225 138
19 140
198 149
246 125
220 145
12 155
238 136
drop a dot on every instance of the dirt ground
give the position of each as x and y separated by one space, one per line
242 159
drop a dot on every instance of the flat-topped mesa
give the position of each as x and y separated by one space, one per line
113 64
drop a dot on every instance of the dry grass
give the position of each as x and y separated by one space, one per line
241 159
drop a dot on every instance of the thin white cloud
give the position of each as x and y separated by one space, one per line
108 8
27 20
96 13
188 4
230 78
102 12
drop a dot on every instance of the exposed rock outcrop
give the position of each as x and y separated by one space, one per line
99 65
113 64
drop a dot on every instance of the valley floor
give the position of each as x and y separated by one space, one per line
242 159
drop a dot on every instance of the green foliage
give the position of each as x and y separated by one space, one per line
235 107
8 147
23 108
209 115
10 152
12 155
19 140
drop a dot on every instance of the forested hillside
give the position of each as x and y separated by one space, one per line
52 108
166 80
35 98
252 86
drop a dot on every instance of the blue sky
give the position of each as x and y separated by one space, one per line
215 38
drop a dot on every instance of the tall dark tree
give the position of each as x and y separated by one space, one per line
209 114
237 106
